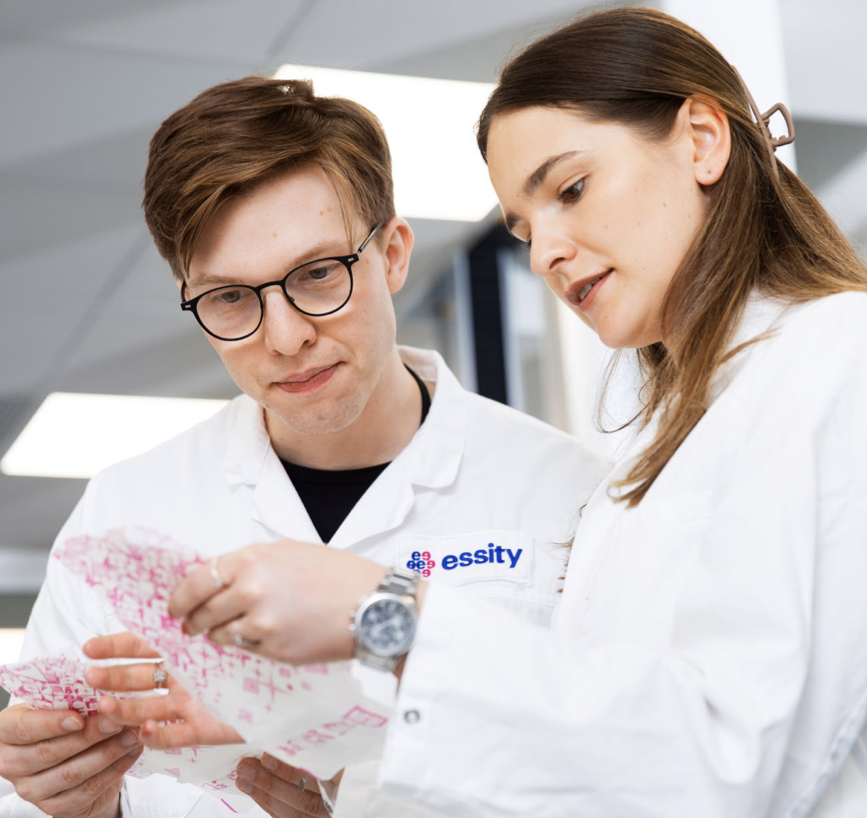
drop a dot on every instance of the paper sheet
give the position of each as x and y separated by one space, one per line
315 717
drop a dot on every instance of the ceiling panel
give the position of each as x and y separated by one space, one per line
210 29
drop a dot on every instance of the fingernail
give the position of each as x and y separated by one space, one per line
129 738
108 727
71 723
245 786
246 772
269 763
135 751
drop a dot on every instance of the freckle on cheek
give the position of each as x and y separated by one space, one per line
321 212
273 235
665 204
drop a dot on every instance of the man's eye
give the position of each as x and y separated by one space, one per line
230 296
573 192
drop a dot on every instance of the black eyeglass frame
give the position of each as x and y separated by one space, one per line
191 305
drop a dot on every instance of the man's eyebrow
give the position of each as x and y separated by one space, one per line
325 249
538 176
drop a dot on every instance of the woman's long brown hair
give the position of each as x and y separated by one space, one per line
764 231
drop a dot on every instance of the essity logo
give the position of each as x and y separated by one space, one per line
422 561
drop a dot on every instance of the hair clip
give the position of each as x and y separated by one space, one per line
764 121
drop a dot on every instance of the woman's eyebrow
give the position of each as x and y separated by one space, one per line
538 176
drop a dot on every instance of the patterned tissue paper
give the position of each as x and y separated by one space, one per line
315 717
57 683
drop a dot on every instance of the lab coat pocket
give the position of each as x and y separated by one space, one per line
479 556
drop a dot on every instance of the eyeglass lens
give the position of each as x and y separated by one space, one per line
317 288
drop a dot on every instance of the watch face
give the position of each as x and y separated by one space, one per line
387 626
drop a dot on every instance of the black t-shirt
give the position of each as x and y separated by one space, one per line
329 496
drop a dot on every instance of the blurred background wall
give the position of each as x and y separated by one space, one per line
89 307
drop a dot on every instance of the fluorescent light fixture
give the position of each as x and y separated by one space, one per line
438 172
76 435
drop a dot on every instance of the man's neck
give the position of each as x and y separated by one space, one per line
380 433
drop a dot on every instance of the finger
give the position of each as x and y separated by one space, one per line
135 712
25 760
227 633
74 771
182 734
199 586
93 790
123 645
287 772
123 678
272 791
217 611
22 725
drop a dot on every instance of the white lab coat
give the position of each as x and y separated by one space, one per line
709 659
475 472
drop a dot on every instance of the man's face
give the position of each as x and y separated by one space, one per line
314 375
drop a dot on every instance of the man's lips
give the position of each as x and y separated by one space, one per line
580 290
309 380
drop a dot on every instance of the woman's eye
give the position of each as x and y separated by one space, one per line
573 192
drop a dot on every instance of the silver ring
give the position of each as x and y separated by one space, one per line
239 639
160 677
302 784
216 579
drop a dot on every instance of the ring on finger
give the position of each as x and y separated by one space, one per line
239 639
302 784
160 677
216 579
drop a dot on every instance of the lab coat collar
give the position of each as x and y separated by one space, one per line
436 450
430 460
761 315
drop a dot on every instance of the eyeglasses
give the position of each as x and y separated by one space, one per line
317 288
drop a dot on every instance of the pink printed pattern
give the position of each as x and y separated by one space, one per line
137 570
57 683
51 683
354 718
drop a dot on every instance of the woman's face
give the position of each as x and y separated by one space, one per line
609 215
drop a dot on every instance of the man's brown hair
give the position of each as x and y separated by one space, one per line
239 134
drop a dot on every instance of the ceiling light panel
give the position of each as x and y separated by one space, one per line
76 435
430 125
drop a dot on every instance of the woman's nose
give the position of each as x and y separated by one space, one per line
549 251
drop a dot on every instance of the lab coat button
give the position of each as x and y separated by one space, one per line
411 716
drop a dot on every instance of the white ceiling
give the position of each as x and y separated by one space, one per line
88 304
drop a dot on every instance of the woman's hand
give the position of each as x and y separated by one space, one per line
286 600
191 723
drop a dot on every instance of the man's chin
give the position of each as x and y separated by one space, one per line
311 424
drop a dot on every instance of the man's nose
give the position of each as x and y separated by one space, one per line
285 330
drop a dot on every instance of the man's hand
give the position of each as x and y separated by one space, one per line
192 724
284 791
66 765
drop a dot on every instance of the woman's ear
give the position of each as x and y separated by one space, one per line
709 133
397 242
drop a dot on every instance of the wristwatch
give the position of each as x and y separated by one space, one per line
384 623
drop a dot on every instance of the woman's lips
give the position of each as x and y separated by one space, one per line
312 384
582 293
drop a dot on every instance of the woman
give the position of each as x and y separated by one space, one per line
710 654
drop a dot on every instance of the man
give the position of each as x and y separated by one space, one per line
274 209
